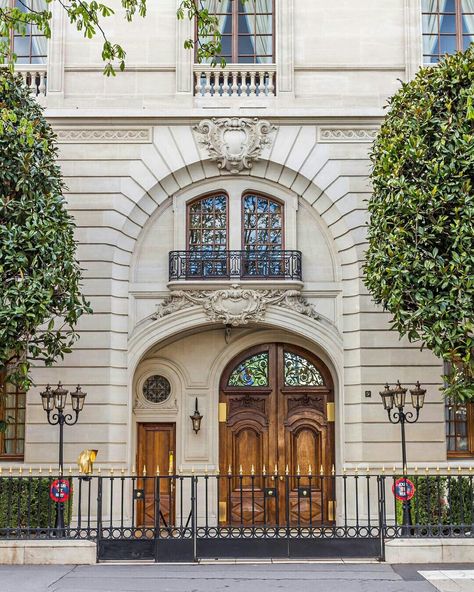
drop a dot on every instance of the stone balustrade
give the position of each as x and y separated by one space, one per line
35 78
235 80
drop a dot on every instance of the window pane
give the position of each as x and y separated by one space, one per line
251 372
467 41
447 23
447 44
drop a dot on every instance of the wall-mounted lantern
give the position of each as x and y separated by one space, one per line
196 418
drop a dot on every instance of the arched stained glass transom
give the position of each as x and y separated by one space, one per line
300 372
253 371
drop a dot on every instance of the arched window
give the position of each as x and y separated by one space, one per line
207 236
448 26
246 29
262 235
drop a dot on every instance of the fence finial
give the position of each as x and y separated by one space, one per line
310 470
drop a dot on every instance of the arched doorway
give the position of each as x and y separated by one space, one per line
276 437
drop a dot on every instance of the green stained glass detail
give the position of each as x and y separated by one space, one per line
301 372
251 372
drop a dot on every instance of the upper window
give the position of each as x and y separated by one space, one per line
460 429
207 223
246 29
262 222
30 48
448 26
12 412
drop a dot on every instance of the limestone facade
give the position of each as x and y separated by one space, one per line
135 149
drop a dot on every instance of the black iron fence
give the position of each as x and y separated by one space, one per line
186 517
225 264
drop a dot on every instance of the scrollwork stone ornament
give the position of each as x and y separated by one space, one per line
235 306
235 143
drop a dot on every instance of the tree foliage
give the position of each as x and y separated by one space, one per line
88 16
420 259
40 300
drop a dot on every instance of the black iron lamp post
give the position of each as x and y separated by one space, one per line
394 404
56 401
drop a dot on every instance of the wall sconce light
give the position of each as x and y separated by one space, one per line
196 418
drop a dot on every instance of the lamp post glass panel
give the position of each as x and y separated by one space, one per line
56 401
394 401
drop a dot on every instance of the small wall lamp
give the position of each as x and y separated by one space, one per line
196 418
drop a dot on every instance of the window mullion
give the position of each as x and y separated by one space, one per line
459 40
235 32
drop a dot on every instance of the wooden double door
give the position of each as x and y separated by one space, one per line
276 435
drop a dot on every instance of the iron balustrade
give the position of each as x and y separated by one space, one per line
188 516
246 264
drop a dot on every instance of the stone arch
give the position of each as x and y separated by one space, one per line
348 240
320 337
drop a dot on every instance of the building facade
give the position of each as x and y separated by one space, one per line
221 225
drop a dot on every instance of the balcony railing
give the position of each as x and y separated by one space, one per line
235 80
246 265
34 76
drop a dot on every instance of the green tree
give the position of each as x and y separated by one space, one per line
420 259
89 16
40 299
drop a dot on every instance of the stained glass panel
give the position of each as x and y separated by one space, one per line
301 372
251 372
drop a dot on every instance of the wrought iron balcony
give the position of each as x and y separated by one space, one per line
245 265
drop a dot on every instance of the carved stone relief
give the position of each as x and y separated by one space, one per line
235 306
235 143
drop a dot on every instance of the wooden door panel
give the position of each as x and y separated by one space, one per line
280 425
155 454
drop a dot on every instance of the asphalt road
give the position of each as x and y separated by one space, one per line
219 577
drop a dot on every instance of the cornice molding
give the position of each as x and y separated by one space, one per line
346 134
104 135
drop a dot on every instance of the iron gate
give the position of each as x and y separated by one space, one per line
192 517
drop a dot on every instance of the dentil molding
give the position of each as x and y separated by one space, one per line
104 135
235 143
347 134
235 306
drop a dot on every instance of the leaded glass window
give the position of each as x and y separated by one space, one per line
156 389
300 372
448 26
246 29
251 372
262 235
207 236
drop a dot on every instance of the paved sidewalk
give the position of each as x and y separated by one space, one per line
451 580
220 577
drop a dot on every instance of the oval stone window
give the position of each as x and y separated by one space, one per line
156 389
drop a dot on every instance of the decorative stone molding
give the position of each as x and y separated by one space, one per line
347 134
235 306
100 135
235 143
